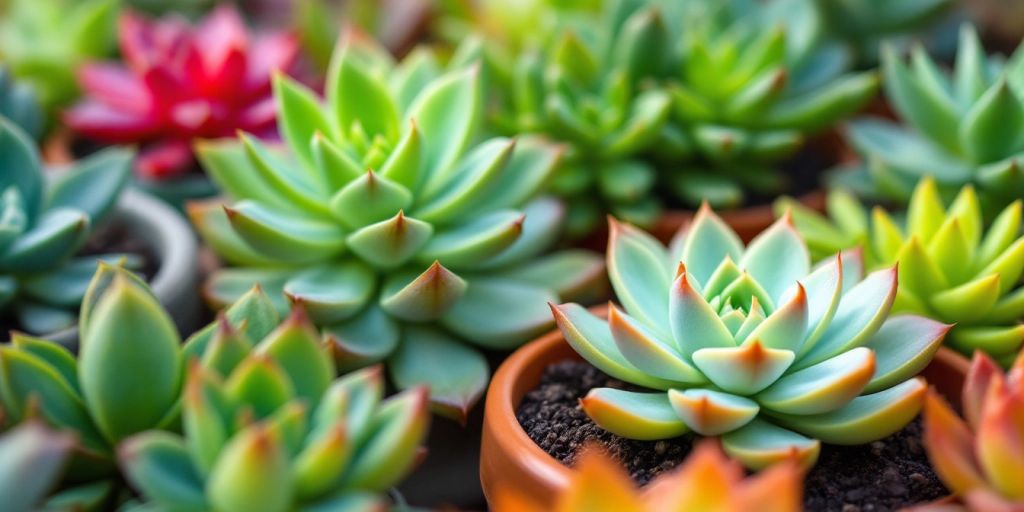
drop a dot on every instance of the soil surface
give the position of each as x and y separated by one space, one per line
882 476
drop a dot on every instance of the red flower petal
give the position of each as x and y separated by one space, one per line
164 160
115 86
103 123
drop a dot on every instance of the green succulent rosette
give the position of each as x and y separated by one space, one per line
402 236
44 221
44 41
961 127
750 83
953 267
585 89
751 344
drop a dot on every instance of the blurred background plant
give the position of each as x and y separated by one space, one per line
20 105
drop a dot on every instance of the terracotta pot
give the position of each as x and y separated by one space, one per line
510 458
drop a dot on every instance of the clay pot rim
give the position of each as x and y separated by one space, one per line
507 390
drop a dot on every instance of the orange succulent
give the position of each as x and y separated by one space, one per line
981 457
708 481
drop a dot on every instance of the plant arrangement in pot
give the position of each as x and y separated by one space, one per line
258 400
980 459
954 267
180 83
707 481
961 127
404 239
44 41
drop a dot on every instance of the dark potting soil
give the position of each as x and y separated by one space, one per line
885 475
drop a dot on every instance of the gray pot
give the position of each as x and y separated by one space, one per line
171 239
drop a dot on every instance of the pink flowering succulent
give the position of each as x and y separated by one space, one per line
179 83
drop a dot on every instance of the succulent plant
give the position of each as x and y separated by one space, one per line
19 104
583 88
32 458
181 83
863 25
43 222
44 41
981 459
706 481
951 268
401 237
750 84
276 434
963 127
752 344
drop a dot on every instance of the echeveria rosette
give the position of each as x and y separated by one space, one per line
32 459
44 41
953 266
707 480
20 104
179 83
44 220
753 345
961 127
583 88
267 427
750 85
980 457
402 237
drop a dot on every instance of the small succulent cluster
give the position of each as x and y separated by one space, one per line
981 459
951 267
44 222
749 86
181 83
19 104
391 226
706 481
752 345
43 41
246 415
964 127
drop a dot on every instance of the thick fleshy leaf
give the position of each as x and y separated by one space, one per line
639 271
743 370
992 128
824 387
515 312
300 117
923 107
760 444
711 413
824 288
266 482
211 222
903 347
365 339
647 352
997 444
480 238
404 164
297 189
398 429
427 296
129 386
285 237
322 462
66 286
93 185
54 355
591 338
53 239
951 446
642 416
360 97
295 347
227 285
867 418
982 372
33 459
571 274
337 167
777 258
333 293
20 166
447 113
392 242
993 340
448 192
967 302
158 464
531 164
261 385
455 373
695 325
784 328
925 213
368 200
543 224
705 243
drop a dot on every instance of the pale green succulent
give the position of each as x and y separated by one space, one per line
961 127
398 232
19 104
44 221
750 84
585 88
953 267
32 458
750 344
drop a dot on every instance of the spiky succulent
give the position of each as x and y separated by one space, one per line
951 268
19 104
180 83
399 234
750 84
44 41
961 127
981 460
750 344
44 220
583 88
32 458
707 481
